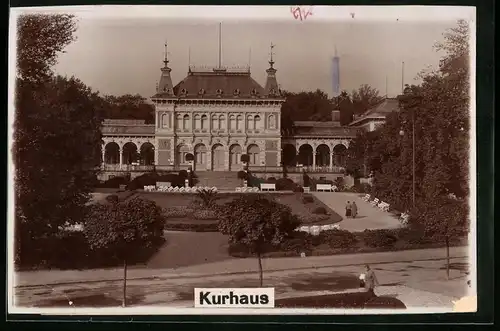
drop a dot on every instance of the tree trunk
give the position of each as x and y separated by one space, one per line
447 257
124 301
260 268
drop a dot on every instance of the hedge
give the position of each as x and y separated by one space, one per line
193 227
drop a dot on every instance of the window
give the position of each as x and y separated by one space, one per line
204 120
185 124
164 120
179 122
215 123
271 122
232 122
197 121
239 122
249 122
256 122
221 122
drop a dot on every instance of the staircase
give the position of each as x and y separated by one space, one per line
223 180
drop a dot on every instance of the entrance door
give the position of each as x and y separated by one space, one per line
218 158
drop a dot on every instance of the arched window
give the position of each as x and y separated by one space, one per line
185 124
204 121
179 122
164 120
215 123
221 122
197 121
239 122
253 153
249 122
271 122
232 122
256 122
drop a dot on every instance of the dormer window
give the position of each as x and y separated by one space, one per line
272 92
201 91
183 91
254 93
219 92
236 92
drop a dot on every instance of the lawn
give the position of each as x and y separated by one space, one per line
292 200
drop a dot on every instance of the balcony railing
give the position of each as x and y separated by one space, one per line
325 169
127 167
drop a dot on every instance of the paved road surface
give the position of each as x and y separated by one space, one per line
232 266
368 217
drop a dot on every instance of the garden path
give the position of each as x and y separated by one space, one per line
369 217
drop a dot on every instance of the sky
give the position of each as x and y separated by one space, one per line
124 56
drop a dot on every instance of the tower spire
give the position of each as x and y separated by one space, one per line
220 44
271 62
165 60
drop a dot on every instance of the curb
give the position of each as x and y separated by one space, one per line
194 275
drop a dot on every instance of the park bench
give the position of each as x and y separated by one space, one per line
150 188
367 197
304 229
324 187
307 190
384 206
238 189
375 202
315 230
267 187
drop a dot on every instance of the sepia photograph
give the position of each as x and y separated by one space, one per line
242 160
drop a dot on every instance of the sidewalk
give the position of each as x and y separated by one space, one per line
232 266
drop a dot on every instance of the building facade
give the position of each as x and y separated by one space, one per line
217 115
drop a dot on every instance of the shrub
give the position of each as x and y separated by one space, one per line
339 182
298 189
319 211
338 238
307 199
208 197
379 238
242 174
312 219
285 184
361 188
204 214
113 198
114 182
183 174
177 212
307 180
271 180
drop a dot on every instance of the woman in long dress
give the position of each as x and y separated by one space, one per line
354 209
348 209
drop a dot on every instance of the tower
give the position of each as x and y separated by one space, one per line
336 74
271 88
165 85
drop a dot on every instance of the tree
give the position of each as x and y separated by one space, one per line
41 38
128 107
124 229
256 222
364 98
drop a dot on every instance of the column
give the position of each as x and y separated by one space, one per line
103 151
314 158
331 161
121 157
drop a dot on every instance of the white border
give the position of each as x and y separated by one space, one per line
320 13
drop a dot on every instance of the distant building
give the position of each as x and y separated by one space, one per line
375 116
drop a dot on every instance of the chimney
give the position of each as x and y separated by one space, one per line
336 115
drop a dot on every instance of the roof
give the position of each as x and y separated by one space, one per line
380 111
217 83
127 127
322 129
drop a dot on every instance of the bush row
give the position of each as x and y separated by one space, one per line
342 241
209 227
149 179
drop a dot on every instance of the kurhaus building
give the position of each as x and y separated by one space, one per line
217 115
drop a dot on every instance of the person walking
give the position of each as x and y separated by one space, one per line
348 209
354 209
370 281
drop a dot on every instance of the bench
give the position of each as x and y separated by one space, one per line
324 187
384 206
375 202
307 190
404 218
367 197
267 187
